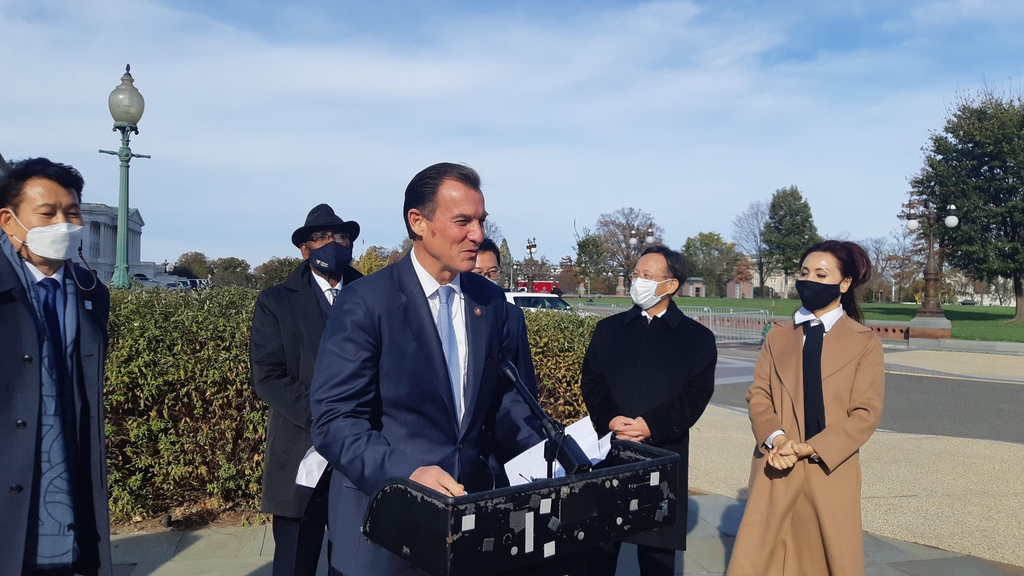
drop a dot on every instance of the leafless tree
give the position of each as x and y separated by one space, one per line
747 233
492 231
616 228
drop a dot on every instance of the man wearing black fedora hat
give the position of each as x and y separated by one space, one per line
287 324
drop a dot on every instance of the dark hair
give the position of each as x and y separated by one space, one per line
675 261
421 193
13 183
854 263
488 245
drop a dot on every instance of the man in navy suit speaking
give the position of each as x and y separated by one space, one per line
406 382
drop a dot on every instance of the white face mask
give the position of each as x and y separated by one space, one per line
644 292
54 242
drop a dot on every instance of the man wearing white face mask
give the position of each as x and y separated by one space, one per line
53 340
648 375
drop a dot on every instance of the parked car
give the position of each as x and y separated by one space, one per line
968 302
537 301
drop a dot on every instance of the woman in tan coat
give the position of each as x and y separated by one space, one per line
816 399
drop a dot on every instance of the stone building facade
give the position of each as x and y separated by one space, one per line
99 243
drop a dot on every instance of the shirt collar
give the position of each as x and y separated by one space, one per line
429 284
829 319
658 315
37 274
324 284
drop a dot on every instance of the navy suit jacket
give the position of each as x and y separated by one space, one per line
382 401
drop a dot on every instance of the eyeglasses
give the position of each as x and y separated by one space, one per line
636 275
339 237
490 273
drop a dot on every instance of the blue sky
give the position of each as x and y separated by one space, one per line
256 111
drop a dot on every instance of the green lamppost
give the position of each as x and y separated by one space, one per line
126 106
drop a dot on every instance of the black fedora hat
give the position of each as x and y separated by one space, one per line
322 217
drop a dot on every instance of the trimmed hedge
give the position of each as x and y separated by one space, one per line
558 342
184 426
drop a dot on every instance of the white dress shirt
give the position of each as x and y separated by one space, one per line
649 317
430 286
37 276
326 287
803 315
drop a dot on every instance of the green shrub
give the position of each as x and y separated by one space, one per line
558 342
186 429
184 426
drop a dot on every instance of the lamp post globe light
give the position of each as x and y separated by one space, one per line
126 106
931 321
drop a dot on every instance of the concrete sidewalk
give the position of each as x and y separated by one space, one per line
712 524
969 365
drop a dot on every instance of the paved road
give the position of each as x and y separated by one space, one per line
916 404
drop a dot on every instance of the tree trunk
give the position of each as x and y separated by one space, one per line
1018 292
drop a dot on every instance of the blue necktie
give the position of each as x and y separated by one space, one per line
51 287
55 536
446 330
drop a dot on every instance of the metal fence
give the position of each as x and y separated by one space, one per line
730 325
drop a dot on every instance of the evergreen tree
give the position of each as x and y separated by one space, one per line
977 164
789 230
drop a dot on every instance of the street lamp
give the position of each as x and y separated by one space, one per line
531 249
930 321
126 106
633 240
650 235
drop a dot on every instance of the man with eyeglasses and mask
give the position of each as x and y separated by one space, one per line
53 343
287 325
648 375
488 265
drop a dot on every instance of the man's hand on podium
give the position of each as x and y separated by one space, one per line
435 478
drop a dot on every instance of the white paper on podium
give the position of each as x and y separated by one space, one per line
530 465
311 468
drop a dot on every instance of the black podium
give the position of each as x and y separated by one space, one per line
632 491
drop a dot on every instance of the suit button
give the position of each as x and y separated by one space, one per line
21 424
16 488
26 359
459 447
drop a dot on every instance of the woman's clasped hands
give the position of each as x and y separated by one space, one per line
785 453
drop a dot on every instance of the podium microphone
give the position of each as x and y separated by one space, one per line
559 446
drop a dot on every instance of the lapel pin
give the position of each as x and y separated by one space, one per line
478 312
88 304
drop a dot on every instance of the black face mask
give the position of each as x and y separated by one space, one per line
331 259
815 295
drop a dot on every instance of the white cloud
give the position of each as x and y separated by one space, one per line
680 109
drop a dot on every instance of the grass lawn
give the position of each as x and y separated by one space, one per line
990 323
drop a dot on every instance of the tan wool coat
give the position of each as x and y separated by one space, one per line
807 520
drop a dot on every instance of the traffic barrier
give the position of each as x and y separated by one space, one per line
730 325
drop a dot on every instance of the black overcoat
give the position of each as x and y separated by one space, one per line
20 391
287 325
663 371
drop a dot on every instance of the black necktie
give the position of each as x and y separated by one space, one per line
814 400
